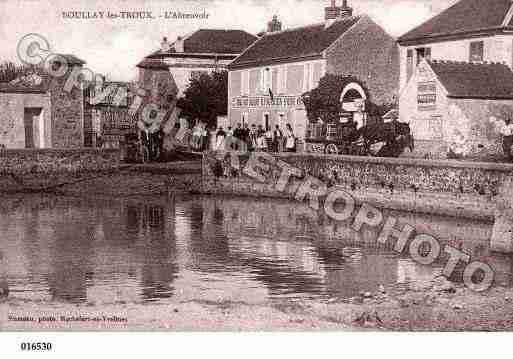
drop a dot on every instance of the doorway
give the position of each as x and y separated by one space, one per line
267 121
34 127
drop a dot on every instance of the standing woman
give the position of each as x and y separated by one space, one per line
290 139
253 135
507 138
261 141
220 140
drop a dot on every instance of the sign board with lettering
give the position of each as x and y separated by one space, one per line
426 96
428 129
266 101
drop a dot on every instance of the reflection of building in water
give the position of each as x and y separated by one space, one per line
266 243
71 253
155 248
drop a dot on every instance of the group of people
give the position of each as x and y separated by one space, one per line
256 138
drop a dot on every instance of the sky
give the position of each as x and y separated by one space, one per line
114 46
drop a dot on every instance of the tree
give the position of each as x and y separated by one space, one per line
206 98
10 71
324 103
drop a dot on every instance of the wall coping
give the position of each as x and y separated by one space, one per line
25 151
402 161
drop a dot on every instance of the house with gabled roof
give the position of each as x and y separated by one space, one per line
456 79
267 80
38 112
470 31
456 108
201 51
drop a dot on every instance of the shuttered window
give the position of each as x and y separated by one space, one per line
476 51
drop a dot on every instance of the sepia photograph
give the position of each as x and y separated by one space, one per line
290 166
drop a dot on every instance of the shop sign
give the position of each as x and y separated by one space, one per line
426 96
266 101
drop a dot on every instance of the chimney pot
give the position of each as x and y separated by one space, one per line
164 45
274 25
179 44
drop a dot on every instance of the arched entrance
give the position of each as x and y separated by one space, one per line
353 99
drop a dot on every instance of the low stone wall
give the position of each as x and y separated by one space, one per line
93 171
502 235
31 170
462 189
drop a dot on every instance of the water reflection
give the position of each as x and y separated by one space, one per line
118 250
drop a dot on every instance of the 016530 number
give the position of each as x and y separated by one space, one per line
36 346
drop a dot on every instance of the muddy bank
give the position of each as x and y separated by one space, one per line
436 307
139 179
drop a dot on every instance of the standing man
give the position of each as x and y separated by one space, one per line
245 137
278 139
507 138
237 134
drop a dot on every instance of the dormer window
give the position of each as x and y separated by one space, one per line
423 53
476 51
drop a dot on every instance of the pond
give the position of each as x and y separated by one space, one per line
105 250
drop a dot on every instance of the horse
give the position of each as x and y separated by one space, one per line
395 135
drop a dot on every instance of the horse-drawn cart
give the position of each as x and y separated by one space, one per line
375 138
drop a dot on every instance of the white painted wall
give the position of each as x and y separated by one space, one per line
182 68
497 48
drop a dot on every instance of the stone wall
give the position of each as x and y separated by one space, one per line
502 236
35 170
467 128
12 126
370 54
463 189
67 115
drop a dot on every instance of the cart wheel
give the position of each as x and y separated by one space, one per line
332 149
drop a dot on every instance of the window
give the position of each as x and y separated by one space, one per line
282 80
235 83
317 74
476 51
245 83
275 79
409 64
254 81
266 80
295 78
307 79
267 123
423 52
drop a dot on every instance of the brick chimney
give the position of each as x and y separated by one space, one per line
331 12
165 45
274 25
179 44
346 10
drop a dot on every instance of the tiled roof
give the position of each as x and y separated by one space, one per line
73 60
478 81
29 83
463 17
294 43
208 41
154 64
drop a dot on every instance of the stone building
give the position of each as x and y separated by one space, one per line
267 80
201 51
455 107
470 31
37 112
468 48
